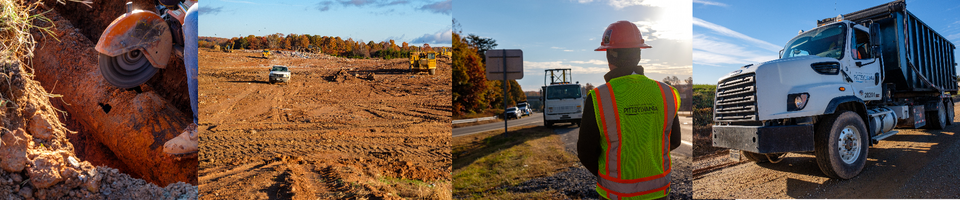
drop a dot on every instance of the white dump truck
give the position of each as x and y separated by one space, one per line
839 88
562 100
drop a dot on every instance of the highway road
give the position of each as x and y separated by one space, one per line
570 132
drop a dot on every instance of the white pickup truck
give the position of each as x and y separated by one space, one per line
279 74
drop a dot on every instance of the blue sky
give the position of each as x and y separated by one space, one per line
731 34
412 21
564 33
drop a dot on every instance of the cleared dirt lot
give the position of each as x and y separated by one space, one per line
341 128
916 163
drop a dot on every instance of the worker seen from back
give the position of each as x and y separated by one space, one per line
629 123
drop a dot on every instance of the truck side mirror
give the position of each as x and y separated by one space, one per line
781 53
876 51
875 38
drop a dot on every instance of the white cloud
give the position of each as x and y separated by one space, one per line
536 67
670 30
567 50
731 33
710 3
954 36
440 37
712 51
620 4
595 62
648 66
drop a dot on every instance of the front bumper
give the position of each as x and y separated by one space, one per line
764 139
567 117
279 79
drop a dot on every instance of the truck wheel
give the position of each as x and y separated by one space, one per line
762 158
950 112
548 124
938 118
841 145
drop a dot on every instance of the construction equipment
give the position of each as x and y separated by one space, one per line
266 54
424 61
446 52
140 41
228 48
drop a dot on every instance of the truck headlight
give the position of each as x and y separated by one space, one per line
796 102
579 108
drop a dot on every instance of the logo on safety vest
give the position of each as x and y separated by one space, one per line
642 109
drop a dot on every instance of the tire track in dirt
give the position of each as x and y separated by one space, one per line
327 134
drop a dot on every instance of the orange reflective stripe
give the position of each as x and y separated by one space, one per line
621 195
603 120
616 114
618 180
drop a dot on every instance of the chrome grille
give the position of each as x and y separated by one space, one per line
736 99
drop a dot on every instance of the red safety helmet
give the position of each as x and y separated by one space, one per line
622 34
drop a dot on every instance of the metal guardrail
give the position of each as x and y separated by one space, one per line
460 121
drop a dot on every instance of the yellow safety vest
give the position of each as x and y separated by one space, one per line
635 115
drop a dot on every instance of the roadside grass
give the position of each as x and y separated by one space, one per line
484 161
477 123
485 113
415 189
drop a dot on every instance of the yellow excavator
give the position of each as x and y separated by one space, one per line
266 54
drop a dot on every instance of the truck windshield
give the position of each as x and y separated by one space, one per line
824 42
563 92
279 69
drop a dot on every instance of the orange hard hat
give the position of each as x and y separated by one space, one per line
622 34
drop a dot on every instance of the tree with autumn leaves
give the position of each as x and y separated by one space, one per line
331 45
472 92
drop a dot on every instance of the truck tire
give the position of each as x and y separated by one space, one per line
841 143
950 112
761 158
549 124
937 119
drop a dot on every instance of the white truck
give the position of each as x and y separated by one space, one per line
838 89
279 74
562 100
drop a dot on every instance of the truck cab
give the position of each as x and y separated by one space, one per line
838 89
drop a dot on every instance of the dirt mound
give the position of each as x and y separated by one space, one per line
343 76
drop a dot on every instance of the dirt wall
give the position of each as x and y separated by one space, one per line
133 124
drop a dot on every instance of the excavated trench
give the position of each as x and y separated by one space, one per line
122 129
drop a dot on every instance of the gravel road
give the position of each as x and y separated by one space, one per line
916 163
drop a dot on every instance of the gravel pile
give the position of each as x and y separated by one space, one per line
578 183
575 183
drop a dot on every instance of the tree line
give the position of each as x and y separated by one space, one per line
332 45
472 92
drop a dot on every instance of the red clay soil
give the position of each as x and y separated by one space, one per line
341 128
132 124
38 162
